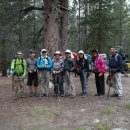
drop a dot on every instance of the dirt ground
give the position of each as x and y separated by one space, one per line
40 113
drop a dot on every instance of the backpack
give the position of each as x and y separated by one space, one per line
15 59
123 63
41 59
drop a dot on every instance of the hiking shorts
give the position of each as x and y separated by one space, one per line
32 79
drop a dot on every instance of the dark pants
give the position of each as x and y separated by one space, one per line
58 82
100 84
84 82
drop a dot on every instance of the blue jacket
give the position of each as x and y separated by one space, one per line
47 61
116 62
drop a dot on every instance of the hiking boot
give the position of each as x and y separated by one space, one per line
84 95
36 94
119 97
101 96
22 96
67 94
31 94
62 95
97 94
15 98
72 96
114 95
42 95
46 95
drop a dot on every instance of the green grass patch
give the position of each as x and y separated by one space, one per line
80 129
127 106
43 113
107 111
104 125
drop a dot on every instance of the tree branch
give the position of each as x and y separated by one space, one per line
30 8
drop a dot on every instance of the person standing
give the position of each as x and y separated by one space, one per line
69 67
83 68
57 70
115 65
18 70
99 70
32 80
44 65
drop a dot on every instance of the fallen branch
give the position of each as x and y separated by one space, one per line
30 8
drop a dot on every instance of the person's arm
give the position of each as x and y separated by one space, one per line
27 62
103 65
87 65
25 67
39 65
12 64
119 58
49 65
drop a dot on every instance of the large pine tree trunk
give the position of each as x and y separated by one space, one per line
63 25
55 25
3 58
51 30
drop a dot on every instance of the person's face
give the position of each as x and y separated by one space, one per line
19 56
57 57
112 51
67 55
81 55
94 54
32 55
44 53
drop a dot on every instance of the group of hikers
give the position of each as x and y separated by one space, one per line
62 68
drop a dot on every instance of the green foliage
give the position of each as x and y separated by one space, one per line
106 24
107 111
104 125
80 129
43 113
127 106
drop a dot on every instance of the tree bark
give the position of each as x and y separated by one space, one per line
63 26
51 27
55 25
3 59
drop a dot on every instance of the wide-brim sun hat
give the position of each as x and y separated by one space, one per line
68 51
19 53
57 53
81 52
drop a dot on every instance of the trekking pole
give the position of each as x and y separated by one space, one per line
109 81
108 94
56 87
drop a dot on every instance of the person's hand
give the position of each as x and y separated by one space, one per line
99 70
100 74
54 72
30 71
113 70
23 76
11 72
34 70
44 67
